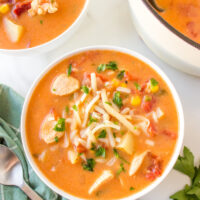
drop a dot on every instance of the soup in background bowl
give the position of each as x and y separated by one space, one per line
183 15
102 123
30 23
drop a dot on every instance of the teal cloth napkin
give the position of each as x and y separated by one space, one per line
10 112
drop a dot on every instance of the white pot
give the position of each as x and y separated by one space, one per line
164 40
52 44
145 60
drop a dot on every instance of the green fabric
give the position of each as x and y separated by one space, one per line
10 112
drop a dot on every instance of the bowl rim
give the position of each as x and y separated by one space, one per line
54 40
170 27
131 53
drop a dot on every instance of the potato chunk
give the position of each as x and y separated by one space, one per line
127 143
48 134
13 30
136 163
64 85
105 177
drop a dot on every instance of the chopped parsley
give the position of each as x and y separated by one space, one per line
67 109
101 68
185 165
109 66
108 103
85 89
93 148
100 151
131 188
54 89
153 82
69 71
89 165
114 135
56 139
120 75
91 120
60 126
41 21
138 87
121 169
117 99
161 92
75 107
102 134
118 156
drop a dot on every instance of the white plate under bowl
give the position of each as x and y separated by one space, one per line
136 55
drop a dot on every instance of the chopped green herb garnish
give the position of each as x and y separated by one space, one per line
80 154
54 89
41 21
85 89
114 135
120 75
138 87
116 122
60 126
108 103
102 134
89 166
161 92
101 68
110 66
91 120
122 132
75 107
100 152
147 98
131 188
121 169
185 165
117 99
153 82
67 109
93 148
56 139
118 156
69 71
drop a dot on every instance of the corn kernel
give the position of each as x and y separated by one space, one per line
124 85
4 8
155 88
115 83
136 100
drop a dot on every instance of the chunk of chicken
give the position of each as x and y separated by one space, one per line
105 177
137 163
64 85
41 7
48 134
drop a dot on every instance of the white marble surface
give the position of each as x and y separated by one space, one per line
109 22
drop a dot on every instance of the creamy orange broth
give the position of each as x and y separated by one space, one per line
183 15
40 29
72 178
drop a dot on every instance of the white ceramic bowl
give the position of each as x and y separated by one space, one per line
152 65
54 43
164 40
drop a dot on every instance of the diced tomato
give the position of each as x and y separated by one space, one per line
191 29
152 129
130 77
80 148
103 78
170 134
155 168
21 7
147 106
